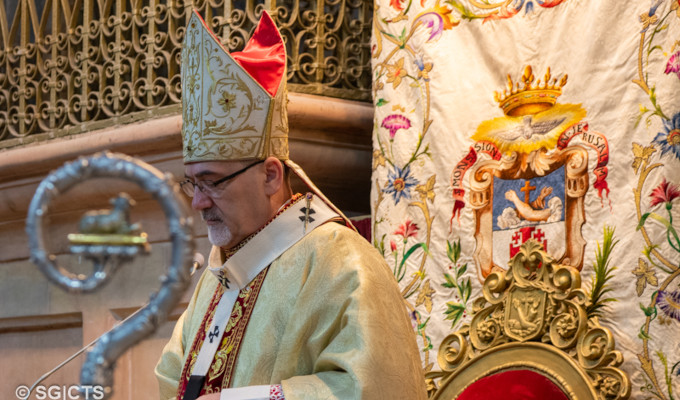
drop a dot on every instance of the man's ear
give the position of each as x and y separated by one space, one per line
273 168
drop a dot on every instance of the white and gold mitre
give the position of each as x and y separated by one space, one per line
233 105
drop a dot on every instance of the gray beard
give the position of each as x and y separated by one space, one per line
219 235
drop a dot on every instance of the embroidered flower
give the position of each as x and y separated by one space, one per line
664 193
641 155
675 6
395 72
227 101
645 274
669 303
669 140
673 64
396 4
650 18
425 296
423 69
437 19
393 246
395 122
378 159
647 20
432 21
399 183
407 230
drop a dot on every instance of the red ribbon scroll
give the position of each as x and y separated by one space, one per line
598 142
461 169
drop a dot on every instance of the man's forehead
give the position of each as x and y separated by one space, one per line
211 168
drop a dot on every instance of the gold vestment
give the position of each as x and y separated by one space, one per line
329 323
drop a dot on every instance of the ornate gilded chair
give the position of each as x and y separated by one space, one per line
530 338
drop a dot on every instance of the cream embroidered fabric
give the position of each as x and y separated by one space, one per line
328 324
460 182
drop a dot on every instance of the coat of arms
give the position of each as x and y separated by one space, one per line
528 179
524 313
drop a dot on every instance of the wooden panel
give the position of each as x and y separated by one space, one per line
42 323
28 355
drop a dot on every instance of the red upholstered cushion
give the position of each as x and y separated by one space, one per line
513 385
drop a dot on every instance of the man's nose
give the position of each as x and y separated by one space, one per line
200 201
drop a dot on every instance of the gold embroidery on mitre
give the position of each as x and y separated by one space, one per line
227 114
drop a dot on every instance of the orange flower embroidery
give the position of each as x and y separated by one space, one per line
395 72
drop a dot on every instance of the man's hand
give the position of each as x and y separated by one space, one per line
214 396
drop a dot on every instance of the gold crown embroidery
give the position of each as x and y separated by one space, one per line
529 98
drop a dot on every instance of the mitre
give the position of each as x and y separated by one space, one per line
233 104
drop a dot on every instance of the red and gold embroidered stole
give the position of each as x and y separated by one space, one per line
222 369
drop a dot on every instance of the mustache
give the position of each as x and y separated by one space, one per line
211 214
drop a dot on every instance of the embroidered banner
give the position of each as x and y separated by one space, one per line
557 120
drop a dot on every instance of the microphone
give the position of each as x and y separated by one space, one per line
199 260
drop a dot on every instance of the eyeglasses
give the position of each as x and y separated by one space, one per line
210 187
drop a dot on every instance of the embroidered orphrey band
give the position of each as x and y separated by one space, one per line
222 369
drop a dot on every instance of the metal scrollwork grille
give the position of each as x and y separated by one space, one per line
69 66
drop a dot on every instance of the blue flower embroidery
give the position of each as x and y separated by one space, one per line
399 183
669 140
669 303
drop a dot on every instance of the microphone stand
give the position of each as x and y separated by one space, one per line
196 265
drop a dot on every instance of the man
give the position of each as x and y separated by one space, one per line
294 305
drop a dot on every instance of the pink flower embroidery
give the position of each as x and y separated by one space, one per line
673 64
664 193
407 229
395 122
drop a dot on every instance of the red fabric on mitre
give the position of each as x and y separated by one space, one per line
264 56
513 385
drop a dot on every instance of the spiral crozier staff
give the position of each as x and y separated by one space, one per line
108 239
